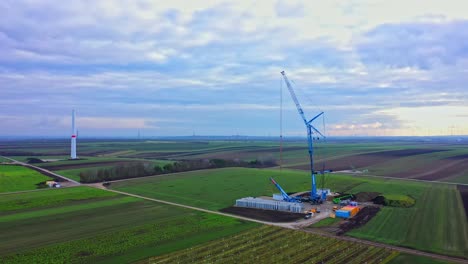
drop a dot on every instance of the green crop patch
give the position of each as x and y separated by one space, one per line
268 244
413 259
399 200
326 222
83 224
141 237
436 223
18 178
219 188
67 209
49 198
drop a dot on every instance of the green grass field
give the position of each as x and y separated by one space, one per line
83 224
436 223
17 178
326 222
219 188
49 198
211 189
437 206
2 159
403 258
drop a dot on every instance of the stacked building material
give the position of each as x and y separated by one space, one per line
259 203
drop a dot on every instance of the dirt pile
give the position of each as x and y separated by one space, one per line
365 196
264 215
364 216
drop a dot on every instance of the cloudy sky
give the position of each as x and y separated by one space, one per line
213 67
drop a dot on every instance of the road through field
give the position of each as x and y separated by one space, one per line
284 225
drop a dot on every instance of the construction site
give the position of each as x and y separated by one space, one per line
314 205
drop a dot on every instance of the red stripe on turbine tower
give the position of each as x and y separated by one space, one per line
73 136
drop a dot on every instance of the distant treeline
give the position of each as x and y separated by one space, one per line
142 169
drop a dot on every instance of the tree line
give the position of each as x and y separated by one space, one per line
142 169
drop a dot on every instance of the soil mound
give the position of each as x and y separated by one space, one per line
264 215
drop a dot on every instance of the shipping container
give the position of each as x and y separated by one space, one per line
343 214
352 209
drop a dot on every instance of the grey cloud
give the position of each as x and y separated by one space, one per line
422 45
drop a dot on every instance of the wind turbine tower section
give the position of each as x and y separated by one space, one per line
73 137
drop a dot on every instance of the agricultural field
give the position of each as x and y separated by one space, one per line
278 245
3 160
17 178
436 205
83 224
438 208
413 259
219 188
442 160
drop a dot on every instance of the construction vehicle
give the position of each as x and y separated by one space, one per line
311 130
315 210
286 197
338 200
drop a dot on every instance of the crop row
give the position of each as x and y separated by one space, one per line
272 244
47 198
87 250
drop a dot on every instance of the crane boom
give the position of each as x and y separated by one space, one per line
294 97
310 131
286 197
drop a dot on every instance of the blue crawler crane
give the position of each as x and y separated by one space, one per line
311 130
286 197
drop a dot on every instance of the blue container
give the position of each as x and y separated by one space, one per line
343 214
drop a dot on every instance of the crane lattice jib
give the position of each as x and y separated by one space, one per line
293 95
310 131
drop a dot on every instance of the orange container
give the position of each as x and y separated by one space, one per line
353 210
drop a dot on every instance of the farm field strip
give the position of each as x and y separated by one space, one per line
18 178
108 227
438 208
50 198
289 246
62 210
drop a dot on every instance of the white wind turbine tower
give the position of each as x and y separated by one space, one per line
73 137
